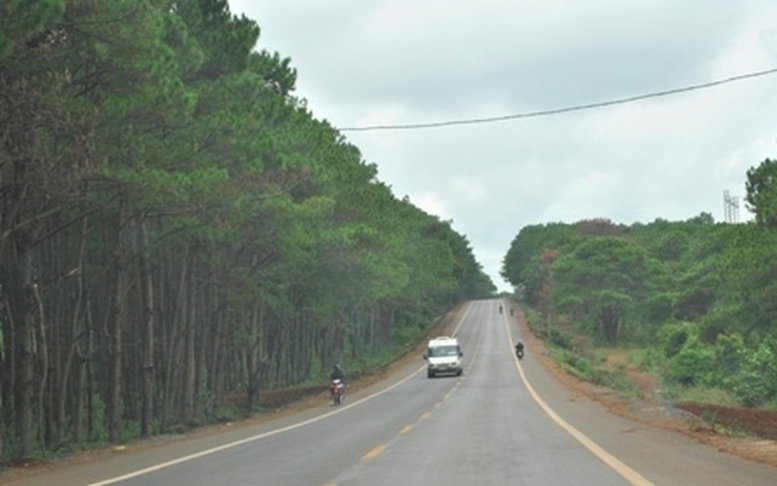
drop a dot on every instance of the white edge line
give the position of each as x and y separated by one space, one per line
613 462
271 433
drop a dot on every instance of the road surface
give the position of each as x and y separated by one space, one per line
501 422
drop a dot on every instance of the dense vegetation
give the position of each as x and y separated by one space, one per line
177 227
698 297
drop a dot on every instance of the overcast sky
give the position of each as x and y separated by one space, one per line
393 62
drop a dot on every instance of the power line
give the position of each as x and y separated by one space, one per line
534 114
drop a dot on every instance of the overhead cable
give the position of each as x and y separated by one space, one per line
556 111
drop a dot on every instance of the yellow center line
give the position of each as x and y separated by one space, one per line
406 429
375 452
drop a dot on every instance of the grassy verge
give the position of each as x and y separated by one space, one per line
578 356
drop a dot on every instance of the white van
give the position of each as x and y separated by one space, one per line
443 356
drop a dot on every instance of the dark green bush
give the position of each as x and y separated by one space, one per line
691 365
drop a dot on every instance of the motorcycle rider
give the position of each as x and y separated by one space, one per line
337 373
519 349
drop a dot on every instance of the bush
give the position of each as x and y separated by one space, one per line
575 364
673 336
616 379
729 353
561 339
691 364
651 359
745 371
755 383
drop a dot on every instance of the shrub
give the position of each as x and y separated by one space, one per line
651 359
755 383
616 379
575 364
729 352
674 336
691 364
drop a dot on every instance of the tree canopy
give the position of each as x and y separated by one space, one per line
178 228
701 292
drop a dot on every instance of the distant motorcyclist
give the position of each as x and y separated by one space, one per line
519 349
337 373
337 387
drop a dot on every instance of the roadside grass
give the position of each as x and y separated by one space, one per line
580 356
700 394
608 366
596 370
636 372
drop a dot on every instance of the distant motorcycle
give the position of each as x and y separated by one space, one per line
519 350
337 390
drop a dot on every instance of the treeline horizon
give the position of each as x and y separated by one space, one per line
177 227
699 296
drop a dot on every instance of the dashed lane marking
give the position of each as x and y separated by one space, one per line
230 445
375 452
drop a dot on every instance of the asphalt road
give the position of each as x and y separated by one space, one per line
501 422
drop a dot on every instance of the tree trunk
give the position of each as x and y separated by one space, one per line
255 361
116 326
203 313
41 351
190 364
19 300
76 330
149 312
7 374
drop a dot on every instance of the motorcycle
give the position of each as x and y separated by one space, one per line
519 352
337 391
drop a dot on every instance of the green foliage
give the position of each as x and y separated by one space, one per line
559 338
575 363
761 195
691 364
749 373
591 369
728 364
748 277
617 379
268 236
523 265
25 21
99 433
674 336
701 294
702 394
599 281
651 359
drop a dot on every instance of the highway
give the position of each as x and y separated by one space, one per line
501 422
